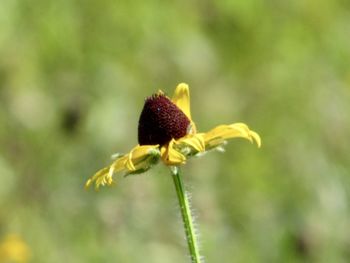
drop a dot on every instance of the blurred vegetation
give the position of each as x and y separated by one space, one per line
73 77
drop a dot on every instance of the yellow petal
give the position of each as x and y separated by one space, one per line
99 178
139 155
129 162
171 156
192 129
181 99
219 134
139 159
195 141
256 137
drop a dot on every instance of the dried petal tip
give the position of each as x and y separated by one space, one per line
160 121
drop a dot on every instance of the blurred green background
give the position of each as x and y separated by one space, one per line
73 78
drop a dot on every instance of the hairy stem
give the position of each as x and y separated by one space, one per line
186 216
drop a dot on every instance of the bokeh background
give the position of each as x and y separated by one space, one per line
73 78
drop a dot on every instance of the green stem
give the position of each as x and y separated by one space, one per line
186 215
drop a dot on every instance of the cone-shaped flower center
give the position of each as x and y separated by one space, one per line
160 121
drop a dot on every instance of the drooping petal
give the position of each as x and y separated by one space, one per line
219 134
140 159
181 99
170 155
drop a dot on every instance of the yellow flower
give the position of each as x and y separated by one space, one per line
14 249
167 132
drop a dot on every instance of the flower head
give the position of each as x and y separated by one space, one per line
161 120
167 132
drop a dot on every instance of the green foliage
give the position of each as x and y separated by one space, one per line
73 77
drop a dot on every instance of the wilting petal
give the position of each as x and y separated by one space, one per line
219 134
172 156
181 99
140 159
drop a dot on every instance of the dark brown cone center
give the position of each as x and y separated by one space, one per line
160 121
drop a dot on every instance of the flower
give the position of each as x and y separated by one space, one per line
167 132
14 249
